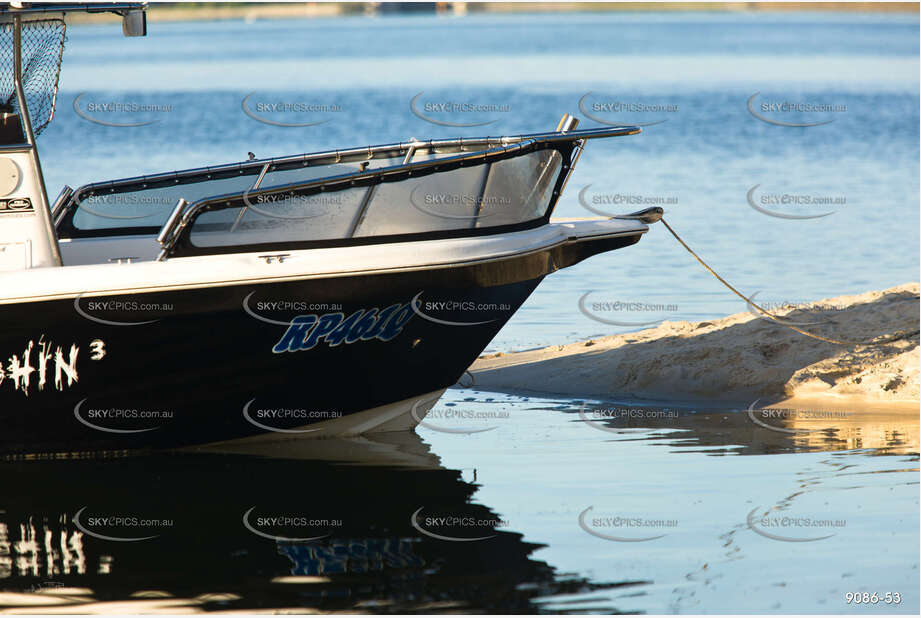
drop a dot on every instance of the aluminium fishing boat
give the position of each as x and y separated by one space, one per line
327 294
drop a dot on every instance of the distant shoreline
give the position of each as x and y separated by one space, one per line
224 11
166 12
734 7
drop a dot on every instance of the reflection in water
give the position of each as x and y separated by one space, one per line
269 530
563 506
758 431
712 510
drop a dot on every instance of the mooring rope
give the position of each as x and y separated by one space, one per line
781 321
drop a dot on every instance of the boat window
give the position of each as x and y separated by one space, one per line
134 205
504 192
147 207
280 218
520 189
442 201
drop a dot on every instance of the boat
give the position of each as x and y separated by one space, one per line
336 293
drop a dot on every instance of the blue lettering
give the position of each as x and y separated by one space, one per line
396 323
344 328
325 326
382 318
306 331
294 337
362 326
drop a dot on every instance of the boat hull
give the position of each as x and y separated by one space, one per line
283 360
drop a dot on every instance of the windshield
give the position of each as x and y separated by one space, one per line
507 192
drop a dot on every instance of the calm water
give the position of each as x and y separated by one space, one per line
499 504
581 507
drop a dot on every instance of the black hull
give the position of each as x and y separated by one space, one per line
186 374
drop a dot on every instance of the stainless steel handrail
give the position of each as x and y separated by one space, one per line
166 236
56 208
410 152
255 186
26 122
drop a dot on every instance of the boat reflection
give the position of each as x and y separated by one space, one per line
757 430
366 524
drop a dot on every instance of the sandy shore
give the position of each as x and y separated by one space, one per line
739 358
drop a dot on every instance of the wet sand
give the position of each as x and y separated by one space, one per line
740 358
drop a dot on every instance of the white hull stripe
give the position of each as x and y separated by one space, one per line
252 268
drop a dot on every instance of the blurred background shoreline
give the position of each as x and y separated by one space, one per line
201 11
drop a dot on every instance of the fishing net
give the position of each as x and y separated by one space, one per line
42 47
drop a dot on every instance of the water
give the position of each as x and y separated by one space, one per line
709 512
704 478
